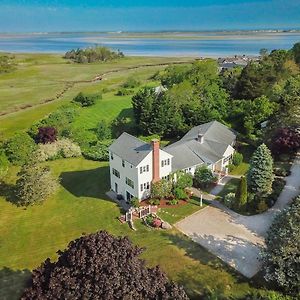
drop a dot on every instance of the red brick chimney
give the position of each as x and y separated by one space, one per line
155 160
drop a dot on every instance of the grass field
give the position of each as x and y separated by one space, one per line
29 236
43 76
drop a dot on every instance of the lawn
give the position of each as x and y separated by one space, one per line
174 214
230 187
43 76
29 236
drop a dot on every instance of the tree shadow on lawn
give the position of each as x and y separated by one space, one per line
13 283
92 183
8 191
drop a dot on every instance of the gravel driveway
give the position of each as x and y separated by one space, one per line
234 238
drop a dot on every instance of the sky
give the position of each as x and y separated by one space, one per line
147 15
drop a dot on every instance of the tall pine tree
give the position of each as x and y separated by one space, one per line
260 175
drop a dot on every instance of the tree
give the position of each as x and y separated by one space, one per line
260 175
7 64
203 176
184 180
281 256
46 135
296 52
241 194
101 266
19 148
103 131
4 163
286 140
35 183
161 189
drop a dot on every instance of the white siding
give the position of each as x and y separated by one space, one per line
128 171
166 169
145 177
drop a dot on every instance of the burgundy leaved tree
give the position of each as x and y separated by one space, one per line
101 266
46 135
286 140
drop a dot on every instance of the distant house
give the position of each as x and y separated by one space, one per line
135 164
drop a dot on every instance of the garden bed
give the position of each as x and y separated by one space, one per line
164 203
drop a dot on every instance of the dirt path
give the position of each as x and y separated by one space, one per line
71 84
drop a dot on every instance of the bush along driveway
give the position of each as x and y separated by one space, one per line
235 238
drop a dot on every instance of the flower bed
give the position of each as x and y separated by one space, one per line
164 203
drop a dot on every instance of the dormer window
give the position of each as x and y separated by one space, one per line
111 156
123 163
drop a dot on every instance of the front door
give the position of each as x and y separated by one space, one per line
116 188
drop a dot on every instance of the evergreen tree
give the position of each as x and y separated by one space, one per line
241 194
260 175
281 256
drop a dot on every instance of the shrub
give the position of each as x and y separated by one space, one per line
203 177
180 194
124 92
131 83
154 201
101 266
229 200
61 119
241 194
98 152
230 167
156 223
4 163
237 158
86 100
103 131
46 135
285 140
63 148
135 202
184 180
161 189
19 148
262 206
35 183
173 202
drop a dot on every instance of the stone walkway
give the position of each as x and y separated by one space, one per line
234 238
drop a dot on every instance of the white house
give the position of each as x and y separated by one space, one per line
134 164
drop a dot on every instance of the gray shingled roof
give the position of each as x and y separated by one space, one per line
130 148
189 152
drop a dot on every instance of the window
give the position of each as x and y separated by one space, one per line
166 177
123 163
165 162
144 169
116 173
145 186
129 182
226 159
111 156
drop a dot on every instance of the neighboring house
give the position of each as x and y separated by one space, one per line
134 164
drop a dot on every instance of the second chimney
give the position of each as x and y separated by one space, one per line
200 138
155 160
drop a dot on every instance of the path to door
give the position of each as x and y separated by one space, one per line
234 238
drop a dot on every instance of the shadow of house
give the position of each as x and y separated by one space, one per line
13 283
92 183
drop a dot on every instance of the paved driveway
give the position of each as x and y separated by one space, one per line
234 238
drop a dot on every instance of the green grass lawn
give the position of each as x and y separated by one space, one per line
230 187
29 236
174 214
42 76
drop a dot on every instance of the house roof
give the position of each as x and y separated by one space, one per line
130 148
189 151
